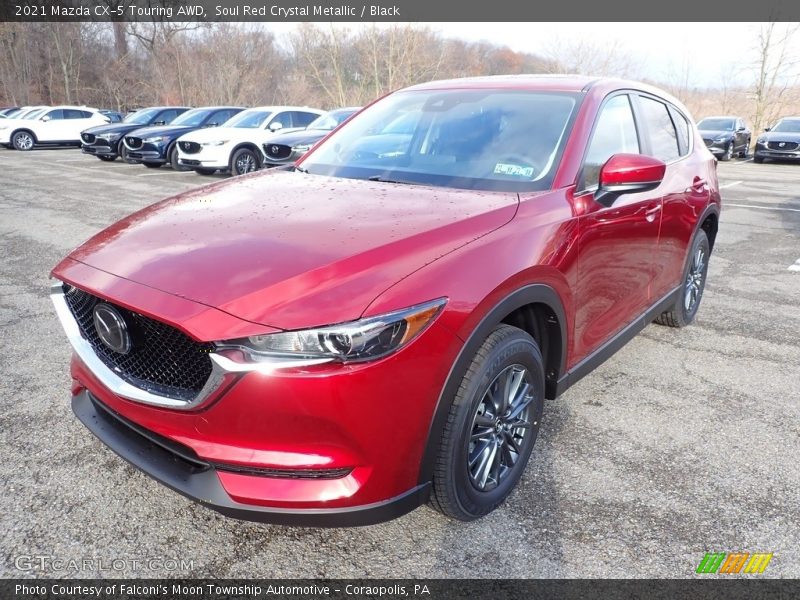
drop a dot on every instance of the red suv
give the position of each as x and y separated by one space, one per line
378 326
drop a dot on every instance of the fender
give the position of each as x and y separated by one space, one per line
535 293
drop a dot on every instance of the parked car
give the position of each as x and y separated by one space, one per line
286 148
234 146
156 146
725 137
105 141
55 126
337 343
781 141
8 111
19 120
114 115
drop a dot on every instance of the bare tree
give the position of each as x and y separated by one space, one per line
776 71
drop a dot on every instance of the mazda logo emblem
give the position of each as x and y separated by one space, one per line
111 328
274 149
782 144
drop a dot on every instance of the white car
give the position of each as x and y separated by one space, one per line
236 145
9 123
56 125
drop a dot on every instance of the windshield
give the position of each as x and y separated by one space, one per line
196 116
716 124
248 119
331 120
788 125
141 117
13 114
506 140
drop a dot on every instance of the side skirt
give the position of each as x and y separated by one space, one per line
607 350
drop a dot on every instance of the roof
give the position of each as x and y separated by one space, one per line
563 83
276 108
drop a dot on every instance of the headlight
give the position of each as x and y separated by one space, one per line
153 140
215 143
721 138
362 340
3 126
108 136
761 140
301 148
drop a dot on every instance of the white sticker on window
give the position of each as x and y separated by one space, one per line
515 170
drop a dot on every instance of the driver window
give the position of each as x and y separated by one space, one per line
614 133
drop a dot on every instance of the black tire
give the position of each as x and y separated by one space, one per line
152 165
107 158
457 491
746 152
123 154
173 160
244 160
728 154
23 140
205 171
693 284
758 159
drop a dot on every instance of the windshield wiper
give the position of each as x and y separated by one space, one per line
387 180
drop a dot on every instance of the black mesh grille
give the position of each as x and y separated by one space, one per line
133 142
788 146
278 151
101 142
190 147
87 137
162 360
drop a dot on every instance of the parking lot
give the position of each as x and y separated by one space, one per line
685 442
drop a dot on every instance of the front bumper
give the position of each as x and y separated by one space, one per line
210 157
100 149
151 156
762 151
180 470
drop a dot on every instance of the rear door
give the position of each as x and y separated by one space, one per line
76 121
618 245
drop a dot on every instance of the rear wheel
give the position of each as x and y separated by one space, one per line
694 282
491 427
746 152
23 140
244 161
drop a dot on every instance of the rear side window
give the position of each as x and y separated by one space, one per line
614 133
71 113
663 137
302 118
682 126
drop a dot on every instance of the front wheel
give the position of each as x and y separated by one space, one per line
746 152
694 283
244 161
173 160
23 140
758 159
728 153
122 150
491 427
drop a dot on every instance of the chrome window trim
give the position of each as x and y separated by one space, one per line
221 365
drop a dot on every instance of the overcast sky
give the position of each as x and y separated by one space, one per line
703 52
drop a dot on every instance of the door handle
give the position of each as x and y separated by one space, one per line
651 213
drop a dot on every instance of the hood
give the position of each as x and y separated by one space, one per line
292 250
215 133
712 133
165 130
115 128
306 136
781 136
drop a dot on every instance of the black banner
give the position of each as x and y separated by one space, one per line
436 589
395 10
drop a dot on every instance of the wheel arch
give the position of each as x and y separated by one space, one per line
21 130
536 309
249 146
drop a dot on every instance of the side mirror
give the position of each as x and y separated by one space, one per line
743 128
159 122
45 119
215 124
627 174
767 128
275 125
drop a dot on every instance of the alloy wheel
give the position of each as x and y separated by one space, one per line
23 141
694 280
500 427
246 163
